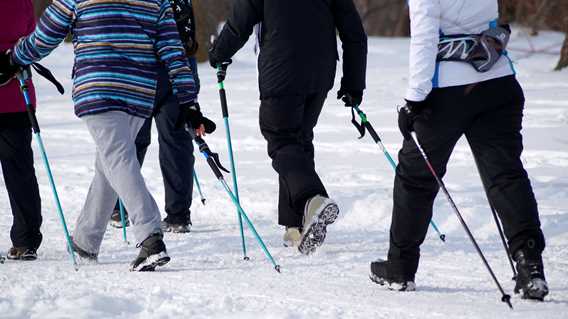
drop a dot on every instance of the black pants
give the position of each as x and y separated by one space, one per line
21 183
287 124
175 152
490 115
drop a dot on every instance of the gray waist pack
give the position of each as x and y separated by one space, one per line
482 51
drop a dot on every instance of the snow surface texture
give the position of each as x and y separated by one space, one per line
207 277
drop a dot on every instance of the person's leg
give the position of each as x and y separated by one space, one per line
176 160
21 184
281 124
143 140
497 144
117 169
414 187
288 215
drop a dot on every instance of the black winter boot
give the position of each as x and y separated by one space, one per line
383 274
530 277
152 254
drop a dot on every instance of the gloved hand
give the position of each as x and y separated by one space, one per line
190 113
409 114
8 68
350 97
214 58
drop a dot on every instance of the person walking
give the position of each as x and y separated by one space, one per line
17 20
175 143
461 82
297 64
117 46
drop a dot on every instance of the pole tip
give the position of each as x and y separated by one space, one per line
246 258
203 200
443 237
507 299
277 268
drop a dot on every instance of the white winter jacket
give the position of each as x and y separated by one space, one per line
432 18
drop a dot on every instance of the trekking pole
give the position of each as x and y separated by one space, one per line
198 187
221 73
123 220
23 77
505 297
2 259
213 161
366 126
499 226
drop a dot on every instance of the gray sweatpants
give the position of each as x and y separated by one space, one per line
117 171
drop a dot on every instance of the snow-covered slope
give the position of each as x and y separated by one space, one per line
207 276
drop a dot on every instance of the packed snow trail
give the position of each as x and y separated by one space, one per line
207 277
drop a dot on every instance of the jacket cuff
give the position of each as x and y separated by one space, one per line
415 95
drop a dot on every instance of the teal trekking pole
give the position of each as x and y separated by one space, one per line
196 180
23 77
221 74
123 220
213 162
366 126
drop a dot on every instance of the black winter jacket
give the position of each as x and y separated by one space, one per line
298 50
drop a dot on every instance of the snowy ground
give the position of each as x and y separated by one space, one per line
207 277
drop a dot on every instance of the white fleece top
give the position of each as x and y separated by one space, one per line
431 18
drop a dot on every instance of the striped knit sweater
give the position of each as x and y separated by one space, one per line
118 45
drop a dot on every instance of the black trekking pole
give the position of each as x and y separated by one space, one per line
213 162
23 77
505 297
366 126
221 73
499 226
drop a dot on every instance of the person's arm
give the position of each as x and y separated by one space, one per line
52 29
354 44
238 28
425 35
170 50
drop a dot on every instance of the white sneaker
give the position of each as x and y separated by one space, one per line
292 237
319 212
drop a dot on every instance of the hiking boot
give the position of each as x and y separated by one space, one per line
152 254
83 254
22 253
381 275
292 237
175 228
116 221
530 276
318 214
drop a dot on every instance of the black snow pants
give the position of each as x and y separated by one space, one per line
490 115
175 150
287 124
19 176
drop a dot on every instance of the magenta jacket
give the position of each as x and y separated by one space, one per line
16 21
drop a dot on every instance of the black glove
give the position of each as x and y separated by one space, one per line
190 113
214 59
8 68
409 114
350 97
